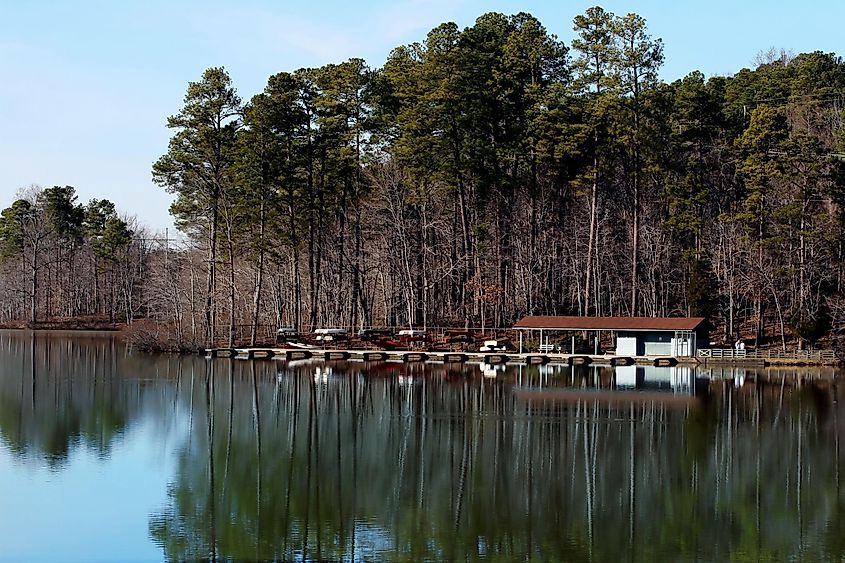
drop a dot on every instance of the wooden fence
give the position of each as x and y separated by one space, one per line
826 356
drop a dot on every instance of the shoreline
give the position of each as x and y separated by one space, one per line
92 325
57 326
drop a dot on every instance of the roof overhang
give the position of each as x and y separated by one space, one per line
618 324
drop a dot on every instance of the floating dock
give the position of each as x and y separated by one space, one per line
418 356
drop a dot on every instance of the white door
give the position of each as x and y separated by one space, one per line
626 346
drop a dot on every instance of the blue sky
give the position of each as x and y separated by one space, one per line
87 85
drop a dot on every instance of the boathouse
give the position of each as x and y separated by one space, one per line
633 336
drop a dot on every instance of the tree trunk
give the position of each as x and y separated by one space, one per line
211 279
591 238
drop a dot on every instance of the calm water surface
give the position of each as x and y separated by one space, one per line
110 456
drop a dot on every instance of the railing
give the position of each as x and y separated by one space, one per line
794 355
726 353
816 355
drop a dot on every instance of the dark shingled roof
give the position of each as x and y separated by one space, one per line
609 323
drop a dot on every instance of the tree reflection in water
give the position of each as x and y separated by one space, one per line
422 462
409 462
58 393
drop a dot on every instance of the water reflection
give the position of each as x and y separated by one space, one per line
306 460
45 408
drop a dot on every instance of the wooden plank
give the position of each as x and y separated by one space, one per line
455 358
580 360
298 354
537 359
221 352
414 357
336 355
375 356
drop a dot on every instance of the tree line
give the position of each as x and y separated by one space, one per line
477 176
62 259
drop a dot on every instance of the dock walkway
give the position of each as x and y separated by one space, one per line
742 357
409 356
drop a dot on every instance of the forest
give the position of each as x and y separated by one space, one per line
477 176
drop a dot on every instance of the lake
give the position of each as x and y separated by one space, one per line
107 455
